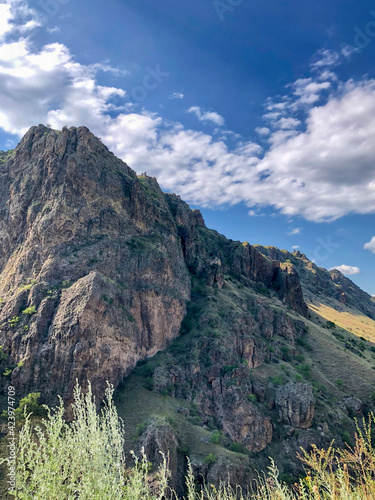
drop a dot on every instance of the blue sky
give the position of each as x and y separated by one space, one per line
262 114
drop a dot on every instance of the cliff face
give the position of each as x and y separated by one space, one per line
94 253
95 262
321 283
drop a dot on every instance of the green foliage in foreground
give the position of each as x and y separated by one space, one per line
85 460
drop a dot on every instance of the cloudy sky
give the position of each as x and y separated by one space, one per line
261 113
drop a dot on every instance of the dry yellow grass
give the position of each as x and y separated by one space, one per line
349 319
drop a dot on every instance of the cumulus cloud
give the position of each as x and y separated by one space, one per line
318 162
370 245
347 270
263 131
308 91
176 95
207 116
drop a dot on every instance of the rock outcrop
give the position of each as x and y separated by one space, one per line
93 251
296 405
319 282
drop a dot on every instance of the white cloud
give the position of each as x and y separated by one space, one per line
308 91
107 68
287 123
295 231
263 131
55 29
254 213
208 116
16 17
176 95
370 245
296 247
347 270
320 169
325 58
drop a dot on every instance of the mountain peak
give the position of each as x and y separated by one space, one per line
100 270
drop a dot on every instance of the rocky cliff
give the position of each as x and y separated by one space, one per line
104 277
96 263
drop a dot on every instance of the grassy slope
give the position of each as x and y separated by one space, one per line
346 317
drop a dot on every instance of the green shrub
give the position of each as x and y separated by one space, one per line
141 428
229 368
238 448
287 478
330 324
210 459
29 311
339 384
30 404
304 344
216 437
84 460
14 321
3 355
148 383
286 354
252 398
278 380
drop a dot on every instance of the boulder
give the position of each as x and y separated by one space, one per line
296 405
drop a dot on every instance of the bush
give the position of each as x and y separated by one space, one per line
30 404
252 398
210 459
304 344
216 437
238 448
29 311
84 460
14 321
141 428
286 354
3 355
339 384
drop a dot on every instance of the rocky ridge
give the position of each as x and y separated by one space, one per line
104 277
96 262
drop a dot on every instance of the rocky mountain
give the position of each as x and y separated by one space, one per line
319 283
220 350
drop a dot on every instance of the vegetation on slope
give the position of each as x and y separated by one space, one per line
85 460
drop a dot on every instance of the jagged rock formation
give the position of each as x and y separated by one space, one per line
322 283
100 271
96 255
102 258
296 405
